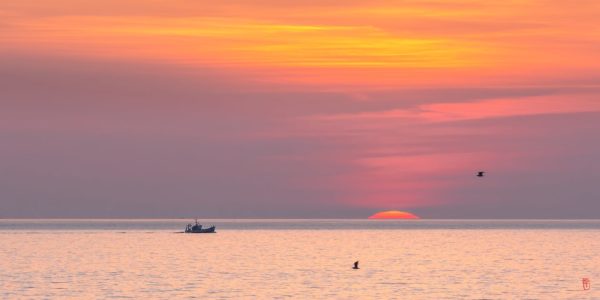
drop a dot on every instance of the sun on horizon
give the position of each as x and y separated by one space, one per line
394 214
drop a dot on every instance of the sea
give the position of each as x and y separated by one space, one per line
300 259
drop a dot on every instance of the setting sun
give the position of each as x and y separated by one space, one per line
393 214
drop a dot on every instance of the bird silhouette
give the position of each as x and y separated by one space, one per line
480 174
355 265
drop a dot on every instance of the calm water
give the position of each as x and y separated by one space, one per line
300 259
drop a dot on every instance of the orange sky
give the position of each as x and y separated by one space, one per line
390 89
365 43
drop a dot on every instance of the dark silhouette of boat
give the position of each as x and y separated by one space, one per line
197 228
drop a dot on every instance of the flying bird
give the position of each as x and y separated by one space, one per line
355 265
480 174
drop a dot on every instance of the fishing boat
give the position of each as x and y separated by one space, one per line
197 228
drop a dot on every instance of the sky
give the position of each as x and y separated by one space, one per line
299 109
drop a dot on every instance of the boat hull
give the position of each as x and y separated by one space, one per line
203 230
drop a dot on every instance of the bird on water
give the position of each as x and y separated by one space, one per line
480 174
355 265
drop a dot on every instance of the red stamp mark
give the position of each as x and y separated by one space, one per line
586 283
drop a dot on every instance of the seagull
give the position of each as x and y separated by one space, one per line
480 174
355 265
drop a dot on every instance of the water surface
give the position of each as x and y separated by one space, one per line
300 259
